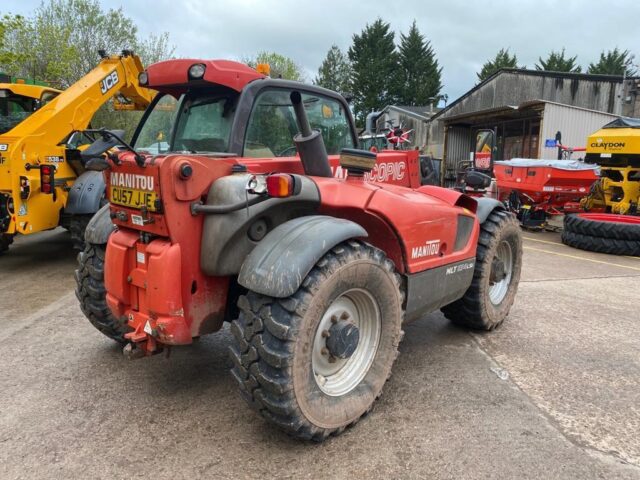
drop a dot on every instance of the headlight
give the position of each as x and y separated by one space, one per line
196 70
143 78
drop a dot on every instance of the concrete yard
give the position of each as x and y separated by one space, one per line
554 393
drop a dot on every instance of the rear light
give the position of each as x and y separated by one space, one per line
280 185
47 179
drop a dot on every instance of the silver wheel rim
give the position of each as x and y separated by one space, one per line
335 376
498 289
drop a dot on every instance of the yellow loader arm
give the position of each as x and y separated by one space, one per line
36 141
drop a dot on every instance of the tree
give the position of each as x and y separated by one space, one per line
501 60
10 25
420 75
557 62
614 62
281 66
59 44
335 71
374 62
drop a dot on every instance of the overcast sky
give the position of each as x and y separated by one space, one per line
463 33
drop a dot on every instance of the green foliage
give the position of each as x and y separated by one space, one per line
10 25
557 62
614 62
502 60
281 66
335 71
374 62
59 44
420 75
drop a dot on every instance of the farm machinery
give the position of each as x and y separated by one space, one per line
610 222
259 211
533 189
44 181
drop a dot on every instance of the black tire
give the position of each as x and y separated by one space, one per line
5 241
272 361
476 309
611 246
604 229
77 226
91 293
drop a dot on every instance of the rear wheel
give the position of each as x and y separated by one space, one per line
5 241
314 363
91 293
488 300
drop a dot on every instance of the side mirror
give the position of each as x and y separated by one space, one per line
483 153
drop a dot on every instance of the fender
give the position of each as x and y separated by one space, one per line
279 263
86 193
487 205
99 227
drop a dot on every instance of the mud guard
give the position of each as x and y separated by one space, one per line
99 227
280 262
486 206
86 194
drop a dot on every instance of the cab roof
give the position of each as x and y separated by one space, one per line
174 74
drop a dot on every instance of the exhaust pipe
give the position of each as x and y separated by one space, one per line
309 143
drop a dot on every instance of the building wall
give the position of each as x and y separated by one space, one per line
514 88
575 124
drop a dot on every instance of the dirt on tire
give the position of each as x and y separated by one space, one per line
271 353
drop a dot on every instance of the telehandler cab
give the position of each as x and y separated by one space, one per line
317 259
44 180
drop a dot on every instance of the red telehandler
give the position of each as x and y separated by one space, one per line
244 199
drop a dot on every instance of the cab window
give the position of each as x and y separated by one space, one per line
272 124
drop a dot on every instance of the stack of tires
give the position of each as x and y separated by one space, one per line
603 232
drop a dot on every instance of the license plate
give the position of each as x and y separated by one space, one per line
128 197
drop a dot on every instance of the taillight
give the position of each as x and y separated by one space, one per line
47 178
280 185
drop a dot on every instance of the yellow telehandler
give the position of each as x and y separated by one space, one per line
43 179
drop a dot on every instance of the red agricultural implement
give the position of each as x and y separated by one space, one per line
533 189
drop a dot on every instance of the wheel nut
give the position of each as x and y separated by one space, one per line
344 316
325 333
332 359
324 351
334 319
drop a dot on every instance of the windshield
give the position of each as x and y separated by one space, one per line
193 123
14 109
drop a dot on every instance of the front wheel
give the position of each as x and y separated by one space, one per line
315 362
487 302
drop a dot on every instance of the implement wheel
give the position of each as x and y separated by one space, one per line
605 225
315 362
487 302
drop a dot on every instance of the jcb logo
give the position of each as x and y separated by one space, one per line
109 82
